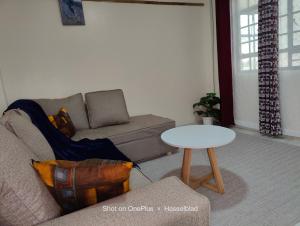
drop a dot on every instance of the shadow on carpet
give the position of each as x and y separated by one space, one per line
235 182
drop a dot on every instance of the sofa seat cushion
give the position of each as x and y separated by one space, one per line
137 128
137 179
139 139
74 105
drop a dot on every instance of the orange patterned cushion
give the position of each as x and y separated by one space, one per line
62 121
76 185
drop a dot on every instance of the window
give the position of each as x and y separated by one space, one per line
245 31
248 39
295 17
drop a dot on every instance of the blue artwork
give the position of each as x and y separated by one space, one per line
71 12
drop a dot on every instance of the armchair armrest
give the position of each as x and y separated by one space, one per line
166 202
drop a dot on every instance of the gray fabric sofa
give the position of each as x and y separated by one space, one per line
164 194
24 200
138 137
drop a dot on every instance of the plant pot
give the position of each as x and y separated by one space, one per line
208 120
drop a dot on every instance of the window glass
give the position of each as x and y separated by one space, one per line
251 19
245 39
245 31
256 46
245 48
252 47
254 63
282 7
283 41
244 20
283 60
256 18
252 32
296 5
245 64
296 22
296 59
283 25
296 39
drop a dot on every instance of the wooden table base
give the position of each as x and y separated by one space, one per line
203 181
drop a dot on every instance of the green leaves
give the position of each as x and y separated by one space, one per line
206 106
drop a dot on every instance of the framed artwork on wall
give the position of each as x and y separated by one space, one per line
72 12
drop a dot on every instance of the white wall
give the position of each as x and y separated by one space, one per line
246 101
161 56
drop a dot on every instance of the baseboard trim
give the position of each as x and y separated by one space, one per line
252 125
246 124
292 133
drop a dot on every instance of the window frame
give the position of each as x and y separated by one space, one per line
237 38
250 10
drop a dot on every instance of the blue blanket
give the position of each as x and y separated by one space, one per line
65 148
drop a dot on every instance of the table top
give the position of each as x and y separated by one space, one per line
198 136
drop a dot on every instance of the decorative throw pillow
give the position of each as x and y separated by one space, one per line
62 121
76 185
106 108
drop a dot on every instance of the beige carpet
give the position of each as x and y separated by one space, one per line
261 177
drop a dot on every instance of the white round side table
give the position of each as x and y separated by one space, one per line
200 137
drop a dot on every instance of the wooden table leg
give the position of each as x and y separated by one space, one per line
186 166
215 169
203 181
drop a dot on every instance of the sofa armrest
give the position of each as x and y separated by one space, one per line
168 193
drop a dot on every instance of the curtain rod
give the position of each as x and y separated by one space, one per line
149 2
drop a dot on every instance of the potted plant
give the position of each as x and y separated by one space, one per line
206 108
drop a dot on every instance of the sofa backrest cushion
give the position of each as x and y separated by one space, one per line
106 108
74 105
19 123
24 199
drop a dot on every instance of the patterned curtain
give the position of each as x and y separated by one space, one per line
269 106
